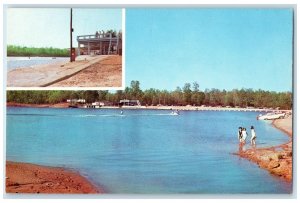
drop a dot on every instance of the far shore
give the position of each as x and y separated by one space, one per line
32 178
278 160
161 107
58 105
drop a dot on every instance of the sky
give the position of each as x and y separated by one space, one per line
50 27
218 48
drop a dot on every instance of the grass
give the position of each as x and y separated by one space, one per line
32 51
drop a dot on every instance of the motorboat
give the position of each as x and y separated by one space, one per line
271 116
175 113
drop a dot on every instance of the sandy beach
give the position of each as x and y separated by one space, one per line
278 160
105 73
31 178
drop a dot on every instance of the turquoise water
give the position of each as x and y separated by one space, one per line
145 151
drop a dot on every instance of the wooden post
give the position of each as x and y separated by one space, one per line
78 49
71 35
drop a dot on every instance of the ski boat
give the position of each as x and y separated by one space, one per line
175 113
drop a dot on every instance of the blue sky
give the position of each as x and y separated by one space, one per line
218 48
45 27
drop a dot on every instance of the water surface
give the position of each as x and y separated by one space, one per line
18 62
146 151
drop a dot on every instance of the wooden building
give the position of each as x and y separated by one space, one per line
127 102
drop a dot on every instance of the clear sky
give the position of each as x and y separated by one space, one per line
218 48
45 27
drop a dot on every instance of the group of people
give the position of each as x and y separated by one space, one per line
242 135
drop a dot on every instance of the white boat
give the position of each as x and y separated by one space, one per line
175 113
271 116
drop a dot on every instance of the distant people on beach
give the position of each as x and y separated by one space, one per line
253 136
242 135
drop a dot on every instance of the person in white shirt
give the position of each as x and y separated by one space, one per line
244 134
253 136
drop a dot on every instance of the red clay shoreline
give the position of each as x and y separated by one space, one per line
278 160
32 178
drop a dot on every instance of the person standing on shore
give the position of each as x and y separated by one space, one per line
240 135
244 135
253 136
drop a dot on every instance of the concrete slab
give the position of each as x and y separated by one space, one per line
45 75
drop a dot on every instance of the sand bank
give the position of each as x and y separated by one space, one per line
31 178
200 108
105 73
278 160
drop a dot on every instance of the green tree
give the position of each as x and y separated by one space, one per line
187 92
135 91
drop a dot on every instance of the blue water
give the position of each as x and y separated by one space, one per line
145 151
17 62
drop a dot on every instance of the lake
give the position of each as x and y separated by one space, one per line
17 62
146 151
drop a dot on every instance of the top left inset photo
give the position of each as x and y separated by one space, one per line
63 48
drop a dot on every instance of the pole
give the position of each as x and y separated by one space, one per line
71 36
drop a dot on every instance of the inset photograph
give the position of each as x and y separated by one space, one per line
64 47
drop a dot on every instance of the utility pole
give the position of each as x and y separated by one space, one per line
71 38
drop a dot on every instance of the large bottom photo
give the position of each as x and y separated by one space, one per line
146 142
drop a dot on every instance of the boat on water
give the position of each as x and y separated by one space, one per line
175 113
271 116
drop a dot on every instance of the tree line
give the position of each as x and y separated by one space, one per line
32 51
188 94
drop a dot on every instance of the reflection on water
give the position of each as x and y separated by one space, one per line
145 151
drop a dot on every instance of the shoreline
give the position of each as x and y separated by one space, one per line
43 75
278 160
58 105
180 108
32 178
